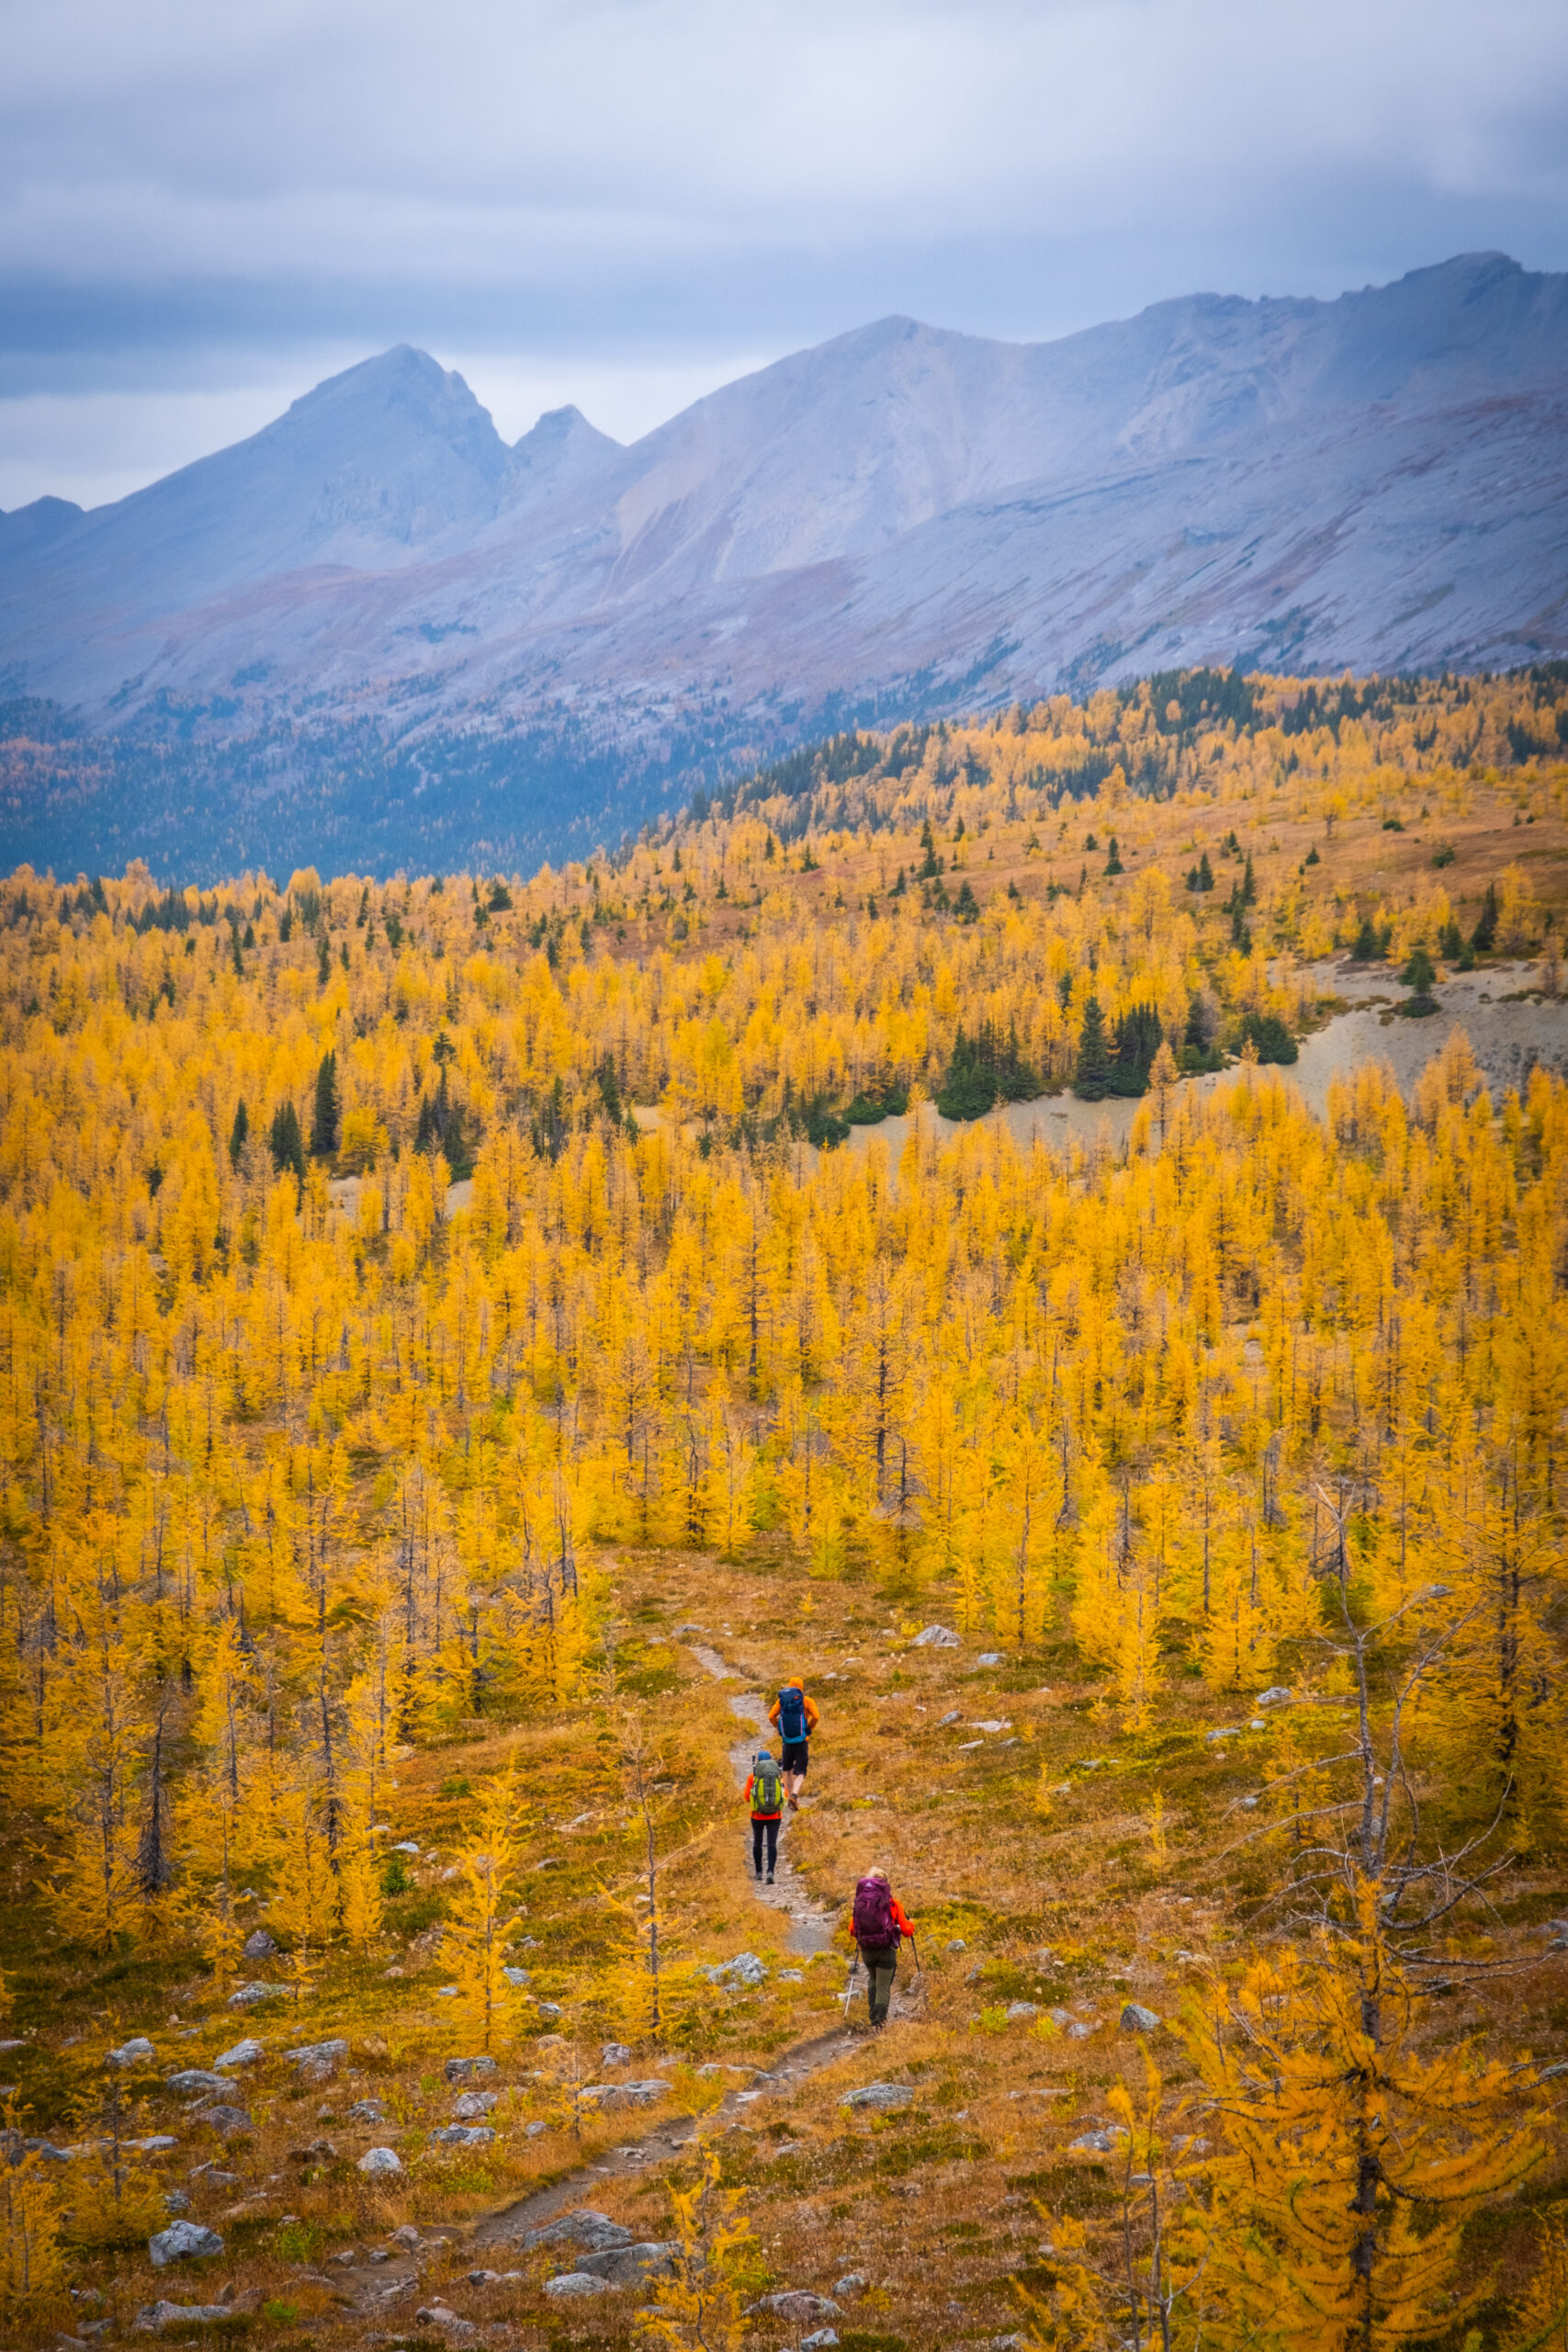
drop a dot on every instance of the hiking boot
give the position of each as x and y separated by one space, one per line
769 1878
795 1805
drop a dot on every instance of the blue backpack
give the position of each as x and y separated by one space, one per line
792 1715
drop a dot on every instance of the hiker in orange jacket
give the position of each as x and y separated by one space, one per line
796 1717
879 1922
764 1793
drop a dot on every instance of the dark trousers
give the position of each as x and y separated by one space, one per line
881 1968
771 1828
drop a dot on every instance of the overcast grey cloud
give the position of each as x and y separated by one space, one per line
205 208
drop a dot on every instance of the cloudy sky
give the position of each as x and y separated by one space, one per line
206 207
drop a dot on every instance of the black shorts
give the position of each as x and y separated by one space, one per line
797 1755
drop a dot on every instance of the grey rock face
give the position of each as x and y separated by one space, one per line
192 2079
183 2242
571 2284
463 2135
244 2053
245 1997
1373 483
885 2098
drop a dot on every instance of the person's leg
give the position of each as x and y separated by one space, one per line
757 1829
880 1968
772 1830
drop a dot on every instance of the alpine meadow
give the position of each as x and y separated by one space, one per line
1049 1230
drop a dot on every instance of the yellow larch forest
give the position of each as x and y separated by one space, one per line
416 1296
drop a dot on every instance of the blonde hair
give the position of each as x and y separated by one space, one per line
881 1874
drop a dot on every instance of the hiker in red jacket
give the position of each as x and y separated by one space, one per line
877 1921
796 1717
764 1793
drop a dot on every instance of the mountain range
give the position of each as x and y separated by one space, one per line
375 633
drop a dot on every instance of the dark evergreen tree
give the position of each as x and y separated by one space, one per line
285 1141
1092 1076
1114 862
324 1120
1268 1034
931 867
239 1133
1485 933
1366 947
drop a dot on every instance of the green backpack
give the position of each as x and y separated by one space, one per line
767 1785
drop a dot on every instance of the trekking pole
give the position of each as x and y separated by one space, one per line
850 1987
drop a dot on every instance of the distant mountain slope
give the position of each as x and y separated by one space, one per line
900 515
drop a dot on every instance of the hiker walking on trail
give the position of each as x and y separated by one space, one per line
796 1717
764 1791
877 1922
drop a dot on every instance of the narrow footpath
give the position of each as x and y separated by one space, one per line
392 2281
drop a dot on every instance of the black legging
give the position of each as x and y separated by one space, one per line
773 1829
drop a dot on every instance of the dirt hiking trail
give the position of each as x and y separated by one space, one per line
380 2288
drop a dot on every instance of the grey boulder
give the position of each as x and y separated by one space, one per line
183 2242
629 2265
193 2079
225 2119
463 2135
153 2318
376 2162
744 1969
245 1997
884 2097
138 2052
1136 2019
594 2233
607 2097
258 1945
463 2070
1020 2010
935 1637
572 2283
796 2303
474 2106
244 2053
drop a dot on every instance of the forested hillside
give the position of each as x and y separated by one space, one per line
429 1308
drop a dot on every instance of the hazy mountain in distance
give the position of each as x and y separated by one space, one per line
376 620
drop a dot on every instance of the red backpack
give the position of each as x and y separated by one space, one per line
874 1931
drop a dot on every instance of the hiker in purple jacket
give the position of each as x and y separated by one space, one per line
879 1922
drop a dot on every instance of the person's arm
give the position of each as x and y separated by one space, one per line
745 1792
812 1716
901 1920
774 1712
